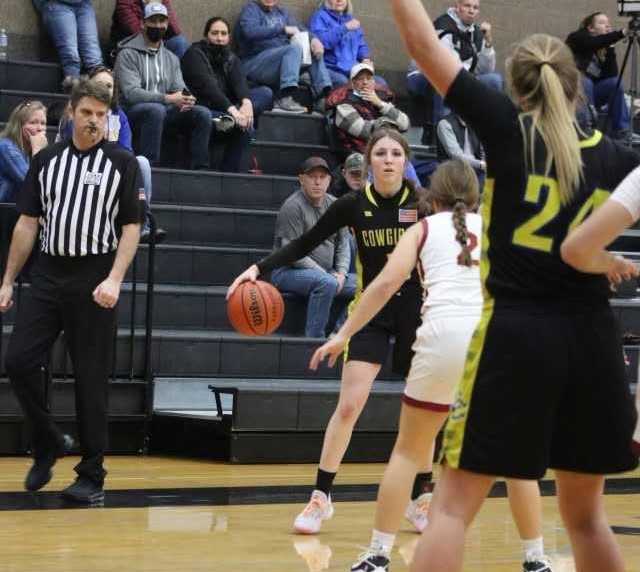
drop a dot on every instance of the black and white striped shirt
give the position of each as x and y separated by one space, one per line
83 197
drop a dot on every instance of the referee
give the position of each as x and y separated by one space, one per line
87 195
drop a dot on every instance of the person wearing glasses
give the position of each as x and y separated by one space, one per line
22 138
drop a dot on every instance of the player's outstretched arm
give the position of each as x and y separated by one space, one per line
436 61
401 263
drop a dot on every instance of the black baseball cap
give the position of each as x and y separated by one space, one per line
314 163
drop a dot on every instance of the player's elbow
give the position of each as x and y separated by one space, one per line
573 254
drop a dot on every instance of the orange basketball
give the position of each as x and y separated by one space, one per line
255 309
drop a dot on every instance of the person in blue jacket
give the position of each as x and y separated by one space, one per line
118 130
23 136
265 33
342 37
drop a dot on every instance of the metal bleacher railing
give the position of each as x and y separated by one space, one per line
127 338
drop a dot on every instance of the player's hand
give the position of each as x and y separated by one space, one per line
332 350
249 275
107 293
622 269
6 297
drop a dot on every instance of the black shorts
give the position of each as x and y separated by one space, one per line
543 388
400 318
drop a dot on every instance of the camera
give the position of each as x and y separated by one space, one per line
628 7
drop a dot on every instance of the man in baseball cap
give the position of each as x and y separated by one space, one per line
155 9
350 177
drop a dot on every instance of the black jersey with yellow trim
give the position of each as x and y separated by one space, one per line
377 222
527 221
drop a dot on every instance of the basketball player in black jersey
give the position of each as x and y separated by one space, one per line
544 381
378 215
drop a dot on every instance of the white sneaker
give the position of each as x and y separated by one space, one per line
310 519
416 512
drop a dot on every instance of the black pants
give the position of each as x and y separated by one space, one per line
60 298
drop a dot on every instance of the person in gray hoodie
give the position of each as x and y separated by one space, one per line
154 94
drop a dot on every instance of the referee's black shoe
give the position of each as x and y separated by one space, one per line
84 490
40 472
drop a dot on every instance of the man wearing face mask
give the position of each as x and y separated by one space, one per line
154 94
214 75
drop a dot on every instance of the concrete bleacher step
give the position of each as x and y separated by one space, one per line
22 75
209 353
262 420
55 102
221 189
288 128
216 225
202 307
196 265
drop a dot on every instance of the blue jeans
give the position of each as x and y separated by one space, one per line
279 68
74 32
321 289
149 121
603 92
178 45
145 172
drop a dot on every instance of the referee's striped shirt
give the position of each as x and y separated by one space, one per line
83 197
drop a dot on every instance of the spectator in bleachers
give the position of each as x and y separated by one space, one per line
362 107
348 177
22 138
322 276
154 95
342 37
117 130
593 49
472 42
457 141
71 24
267 36
128 20
214 75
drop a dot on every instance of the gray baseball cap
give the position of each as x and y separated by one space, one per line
354 162
155 9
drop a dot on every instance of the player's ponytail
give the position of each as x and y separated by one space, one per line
454 186
545 81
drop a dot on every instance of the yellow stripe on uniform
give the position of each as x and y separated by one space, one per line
454 431
352 304
592 141
369 195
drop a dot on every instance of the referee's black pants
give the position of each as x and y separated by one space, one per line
60 298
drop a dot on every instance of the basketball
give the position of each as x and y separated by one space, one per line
255 309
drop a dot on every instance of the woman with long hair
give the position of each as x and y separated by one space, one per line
377 215
543 383
22 138
446 249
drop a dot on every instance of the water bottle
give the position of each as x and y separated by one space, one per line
4 44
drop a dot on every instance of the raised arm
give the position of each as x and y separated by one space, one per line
401 263
440 65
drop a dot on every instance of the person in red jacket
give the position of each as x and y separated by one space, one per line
128 17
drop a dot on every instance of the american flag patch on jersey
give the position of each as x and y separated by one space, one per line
407 215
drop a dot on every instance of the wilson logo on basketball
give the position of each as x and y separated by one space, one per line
254 308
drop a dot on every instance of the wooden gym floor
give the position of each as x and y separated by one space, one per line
169 515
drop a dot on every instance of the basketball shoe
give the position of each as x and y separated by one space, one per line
541 565
416 512
319 508
370 561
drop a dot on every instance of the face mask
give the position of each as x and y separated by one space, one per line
155 34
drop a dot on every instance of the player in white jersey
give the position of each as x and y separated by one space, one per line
446 247
584 248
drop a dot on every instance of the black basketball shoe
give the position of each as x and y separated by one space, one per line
370 561
40 472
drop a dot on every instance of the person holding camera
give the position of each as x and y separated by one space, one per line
154 95
593 49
